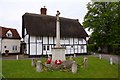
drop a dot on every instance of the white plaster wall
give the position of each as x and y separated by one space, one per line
68 51
85 49
62 41
67 41
32 38
80 41
75 40
45 40
39 49
55 40
26 39
71 40
76 49
32 49
50 40
9 43
84 41
35 49
79 49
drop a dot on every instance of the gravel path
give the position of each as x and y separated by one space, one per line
116 58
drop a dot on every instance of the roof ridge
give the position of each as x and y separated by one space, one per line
7 28
51 16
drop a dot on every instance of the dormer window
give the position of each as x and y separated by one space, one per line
9 34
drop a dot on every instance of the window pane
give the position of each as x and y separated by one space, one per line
48 48
15 47
44 48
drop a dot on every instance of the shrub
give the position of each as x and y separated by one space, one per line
91 48
116 49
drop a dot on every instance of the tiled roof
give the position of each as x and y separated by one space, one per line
4 30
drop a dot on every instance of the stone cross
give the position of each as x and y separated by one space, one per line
39 66
111 61
58 30
33 63
74 67
58 52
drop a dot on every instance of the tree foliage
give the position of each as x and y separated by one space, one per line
104 20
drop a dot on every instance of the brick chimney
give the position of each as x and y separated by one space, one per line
43 11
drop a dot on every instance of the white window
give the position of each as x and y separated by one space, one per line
82 47
46 47
9 34
14 48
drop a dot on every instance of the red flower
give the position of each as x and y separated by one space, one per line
49 61
58 62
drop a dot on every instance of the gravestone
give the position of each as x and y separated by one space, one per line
74 67
33 63
74 55
100 56
85 62
17 57
111 61
67 64
71 58
39 66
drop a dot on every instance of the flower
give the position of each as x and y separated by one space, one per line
58 62
49 61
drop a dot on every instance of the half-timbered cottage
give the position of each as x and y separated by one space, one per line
39 34
9 40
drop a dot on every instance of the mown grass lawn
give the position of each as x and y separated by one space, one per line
96 69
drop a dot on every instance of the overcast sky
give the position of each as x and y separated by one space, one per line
11 11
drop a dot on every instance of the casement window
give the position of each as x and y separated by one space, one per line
14 48
82 47
9 35
44 47
48 47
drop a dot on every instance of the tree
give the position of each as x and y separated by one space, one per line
104 20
